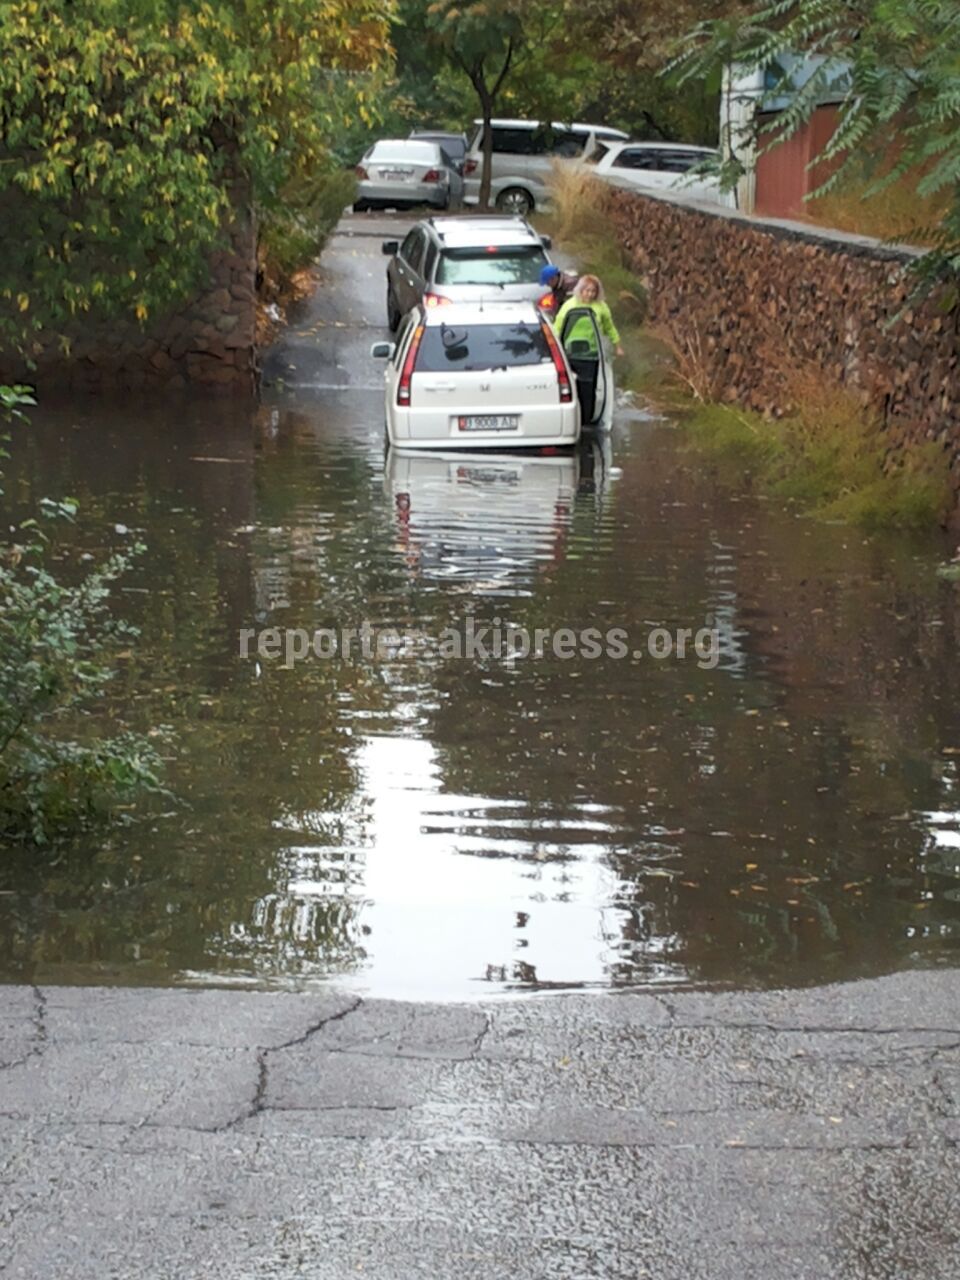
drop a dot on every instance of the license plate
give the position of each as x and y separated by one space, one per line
395 175
489 422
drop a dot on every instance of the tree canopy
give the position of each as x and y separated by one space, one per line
123 124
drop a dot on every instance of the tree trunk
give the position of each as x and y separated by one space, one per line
488 96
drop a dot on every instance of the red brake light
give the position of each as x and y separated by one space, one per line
547 302
563 377
469 166
403 390
362 173
432 175
436 300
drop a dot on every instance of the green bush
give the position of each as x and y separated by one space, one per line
57 774
295 227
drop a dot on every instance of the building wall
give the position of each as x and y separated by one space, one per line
783 178
756 301
208 343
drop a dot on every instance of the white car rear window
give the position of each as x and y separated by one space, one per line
404 152
496 265
452 348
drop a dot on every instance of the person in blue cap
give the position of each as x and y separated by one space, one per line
558 285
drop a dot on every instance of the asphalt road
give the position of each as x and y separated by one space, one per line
188 1134
804 1135
327 345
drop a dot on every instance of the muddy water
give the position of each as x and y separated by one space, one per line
441 827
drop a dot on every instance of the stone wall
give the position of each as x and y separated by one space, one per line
758 302
208 343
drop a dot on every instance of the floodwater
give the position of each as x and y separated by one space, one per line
783 810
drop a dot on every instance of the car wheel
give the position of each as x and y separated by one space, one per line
360 206
515 200
393 312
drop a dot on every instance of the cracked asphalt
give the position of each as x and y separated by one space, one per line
204 1133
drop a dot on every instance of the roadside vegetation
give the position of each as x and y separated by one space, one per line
829 456
129 133
59 775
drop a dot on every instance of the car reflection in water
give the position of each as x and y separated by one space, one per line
494 523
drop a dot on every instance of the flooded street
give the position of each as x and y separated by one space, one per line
783 813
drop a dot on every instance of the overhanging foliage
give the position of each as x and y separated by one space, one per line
123 125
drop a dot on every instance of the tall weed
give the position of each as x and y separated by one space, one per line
830 456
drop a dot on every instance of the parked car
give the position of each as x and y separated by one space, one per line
464 259
454 144
482 375
398 173
522 154
661 165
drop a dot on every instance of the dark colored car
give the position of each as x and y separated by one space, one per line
454 144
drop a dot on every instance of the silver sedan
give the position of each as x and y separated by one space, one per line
399 173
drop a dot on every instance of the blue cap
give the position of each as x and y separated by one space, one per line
548 272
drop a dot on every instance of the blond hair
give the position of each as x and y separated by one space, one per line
584 280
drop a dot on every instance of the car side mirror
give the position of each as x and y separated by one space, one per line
390 246
383 350
547 241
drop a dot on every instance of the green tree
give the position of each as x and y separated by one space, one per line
487 41
128 128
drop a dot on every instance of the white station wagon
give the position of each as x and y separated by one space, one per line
489 375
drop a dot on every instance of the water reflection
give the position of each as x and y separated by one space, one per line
494 523
427 825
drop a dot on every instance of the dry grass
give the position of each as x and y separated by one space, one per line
691 366
579 201
830 456
897 213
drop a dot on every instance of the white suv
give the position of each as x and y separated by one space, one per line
522 155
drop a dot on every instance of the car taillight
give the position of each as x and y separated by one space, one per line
470 166
362 173
432 175
547 302
566 391
436 300
403 390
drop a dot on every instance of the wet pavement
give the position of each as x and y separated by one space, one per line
809 1135
781 814
785 812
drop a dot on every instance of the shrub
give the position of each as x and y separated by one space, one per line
57 775
295 227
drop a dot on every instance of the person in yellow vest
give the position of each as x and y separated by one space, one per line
589 294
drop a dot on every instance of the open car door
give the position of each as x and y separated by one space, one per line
580 339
